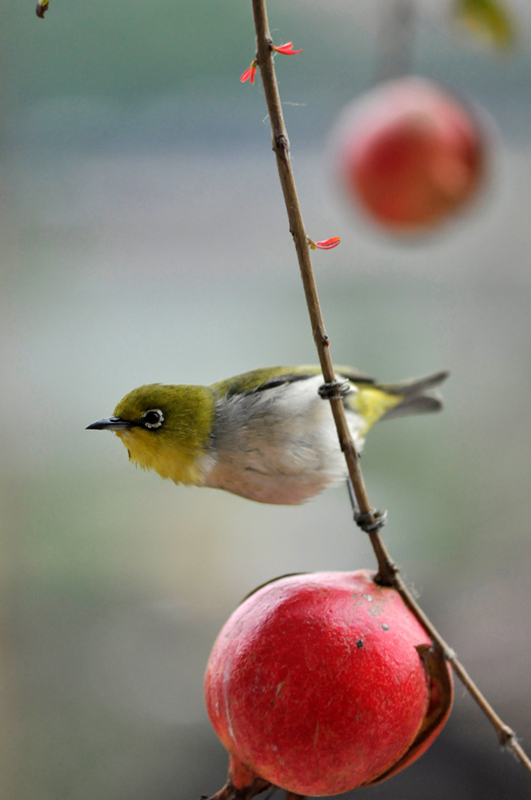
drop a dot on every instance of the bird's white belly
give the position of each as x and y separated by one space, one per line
279 445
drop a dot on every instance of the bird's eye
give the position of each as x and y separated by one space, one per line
153 418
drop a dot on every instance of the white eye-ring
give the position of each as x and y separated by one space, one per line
152 418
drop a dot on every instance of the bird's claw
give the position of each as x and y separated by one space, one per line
371 521
334 390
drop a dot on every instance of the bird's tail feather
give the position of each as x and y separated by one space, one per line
416 396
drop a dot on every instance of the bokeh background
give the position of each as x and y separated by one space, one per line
143 239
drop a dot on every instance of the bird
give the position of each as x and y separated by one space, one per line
267 435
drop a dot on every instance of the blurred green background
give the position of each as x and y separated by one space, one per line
143 239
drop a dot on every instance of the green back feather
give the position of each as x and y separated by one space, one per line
272 376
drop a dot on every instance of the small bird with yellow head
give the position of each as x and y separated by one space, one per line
266 435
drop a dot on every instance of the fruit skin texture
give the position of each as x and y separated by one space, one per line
315 683
411 155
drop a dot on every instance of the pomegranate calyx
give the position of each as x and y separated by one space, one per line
242 783
230 792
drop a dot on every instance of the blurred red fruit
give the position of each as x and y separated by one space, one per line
321 683
411 155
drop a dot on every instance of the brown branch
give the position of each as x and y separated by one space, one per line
296 224
387 570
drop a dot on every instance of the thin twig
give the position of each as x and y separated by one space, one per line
281 149
394 36
387 570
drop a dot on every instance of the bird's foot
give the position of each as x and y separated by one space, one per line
334 390
372 521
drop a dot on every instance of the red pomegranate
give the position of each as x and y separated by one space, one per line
410 155
322 683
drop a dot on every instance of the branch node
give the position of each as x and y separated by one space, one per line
349 449
506 736
281 145
387 573
450 655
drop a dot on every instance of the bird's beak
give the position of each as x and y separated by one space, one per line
110 424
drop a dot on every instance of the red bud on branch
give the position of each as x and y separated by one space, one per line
250 74
327 244
285 49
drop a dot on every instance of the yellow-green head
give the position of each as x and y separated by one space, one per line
165 428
